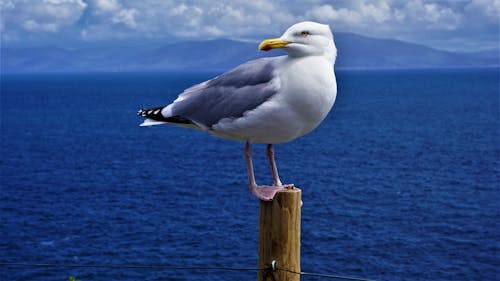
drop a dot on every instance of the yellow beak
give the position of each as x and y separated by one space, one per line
274 43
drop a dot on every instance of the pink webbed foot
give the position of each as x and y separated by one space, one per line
265 193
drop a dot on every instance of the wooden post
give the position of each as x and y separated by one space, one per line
279 236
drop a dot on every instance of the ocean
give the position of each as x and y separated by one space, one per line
400 182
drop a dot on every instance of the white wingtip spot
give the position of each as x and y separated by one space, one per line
149 122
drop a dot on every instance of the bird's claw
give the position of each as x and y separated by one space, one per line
267 193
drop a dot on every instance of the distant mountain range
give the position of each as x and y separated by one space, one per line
354 51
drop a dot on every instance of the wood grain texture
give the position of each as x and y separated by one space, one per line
279 235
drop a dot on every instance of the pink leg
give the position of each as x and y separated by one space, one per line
248 158
272 164
265 193
274 169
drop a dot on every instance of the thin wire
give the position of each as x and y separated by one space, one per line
170 267
126 266
323 275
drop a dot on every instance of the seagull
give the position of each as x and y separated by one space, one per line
268 100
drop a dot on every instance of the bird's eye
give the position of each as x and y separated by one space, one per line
304 33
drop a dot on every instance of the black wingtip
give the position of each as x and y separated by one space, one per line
155 114
152 113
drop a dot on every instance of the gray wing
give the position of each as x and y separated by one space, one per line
229 95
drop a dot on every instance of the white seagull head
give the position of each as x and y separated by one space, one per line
304 39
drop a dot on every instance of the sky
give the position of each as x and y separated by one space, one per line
460 25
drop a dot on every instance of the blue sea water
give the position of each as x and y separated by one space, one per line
400 182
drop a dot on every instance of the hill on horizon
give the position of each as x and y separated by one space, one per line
354 51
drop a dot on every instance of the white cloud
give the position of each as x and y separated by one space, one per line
33 25
180 9
325 13
127 17
7 5
107 5
360 13
114 12
379 12
423 21
431 15
44 16
490 9
188 19
360 16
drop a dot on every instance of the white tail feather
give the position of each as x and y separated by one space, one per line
151 122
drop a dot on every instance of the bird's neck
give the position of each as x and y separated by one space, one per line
329 53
